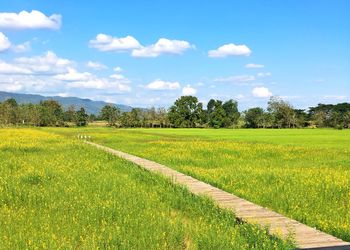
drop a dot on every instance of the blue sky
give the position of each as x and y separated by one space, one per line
148 53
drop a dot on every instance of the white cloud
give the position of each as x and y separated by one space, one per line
48 63
264 74
5 43
101 84
29 20
162 46
162 85
8 68
96 65
73 75
21 47
261 92
117 69
230 50
120 77
188 90
334 97
49 74
11 86
242 79
105 42
254 66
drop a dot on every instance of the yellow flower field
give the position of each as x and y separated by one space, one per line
58 193
301 173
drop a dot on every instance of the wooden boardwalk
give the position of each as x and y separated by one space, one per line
305 236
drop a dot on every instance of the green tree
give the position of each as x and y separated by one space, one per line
282 112
347 119
70 114
51 113
301 118
231 113
81 118
110 113
216 114
254 118
135 118
10 111
185 112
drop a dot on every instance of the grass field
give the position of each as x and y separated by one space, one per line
301 173
57 192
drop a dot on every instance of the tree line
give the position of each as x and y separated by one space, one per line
47 113
186 112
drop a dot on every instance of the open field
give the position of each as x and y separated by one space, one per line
303 174
56 192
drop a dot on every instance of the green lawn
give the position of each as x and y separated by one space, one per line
57 192
301 173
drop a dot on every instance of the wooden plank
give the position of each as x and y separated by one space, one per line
304 236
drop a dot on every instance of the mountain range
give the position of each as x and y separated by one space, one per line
91 107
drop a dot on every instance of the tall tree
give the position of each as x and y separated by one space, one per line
70 114
185 112
254 118
10 111
216 114
231 113
51 113
282 112
81 118
111 114
135 118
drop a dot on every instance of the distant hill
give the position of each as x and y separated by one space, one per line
91 107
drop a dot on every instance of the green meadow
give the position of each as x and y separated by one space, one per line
58 193
301 173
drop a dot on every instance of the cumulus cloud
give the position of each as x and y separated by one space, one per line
11 87
162 85
261 92
8 68
162 46
254 66
49 74
241 79
230 50
96 65
188 90
85 80
5 43
73 75
49 63
29 20
101 84
104 42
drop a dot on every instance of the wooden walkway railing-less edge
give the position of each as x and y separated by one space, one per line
304 236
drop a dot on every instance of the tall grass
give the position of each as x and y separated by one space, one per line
57 193
302 173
